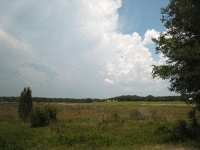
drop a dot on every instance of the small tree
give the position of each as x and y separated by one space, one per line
25 104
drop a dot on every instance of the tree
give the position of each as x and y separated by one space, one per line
180 44
150 98
25 104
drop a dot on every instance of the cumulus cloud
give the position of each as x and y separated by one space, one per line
149 35
128 63
72 49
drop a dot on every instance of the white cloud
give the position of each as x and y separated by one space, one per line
162 60
128 59
149 35
108 81
71 49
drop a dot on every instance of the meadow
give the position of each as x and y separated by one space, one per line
97 125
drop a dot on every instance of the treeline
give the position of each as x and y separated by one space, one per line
45 99
66 100
149 98
123 98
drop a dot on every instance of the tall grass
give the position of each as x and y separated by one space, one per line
91 126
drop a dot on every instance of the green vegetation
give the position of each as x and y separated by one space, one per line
180 45
25 104
116 125
41 117
38 116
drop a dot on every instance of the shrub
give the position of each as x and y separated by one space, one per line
164 133
41 117
52 112
179 131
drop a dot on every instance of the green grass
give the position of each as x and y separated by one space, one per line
96 126
70 135
19 136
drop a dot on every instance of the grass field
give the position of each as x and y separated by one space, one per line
116 125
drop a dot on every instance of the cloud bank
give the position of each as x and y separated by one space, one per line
73 49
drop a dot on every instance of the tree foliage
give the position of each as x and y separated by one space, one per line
25 104
180 44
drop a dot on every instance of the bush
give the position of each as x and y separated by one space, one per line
164 132
179 131
41 117
52 112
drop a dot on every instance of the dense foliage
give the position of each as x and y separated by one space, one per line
41 117
180 44
25 104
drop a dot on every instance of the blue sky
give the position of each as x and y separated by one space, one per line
141 15
80 48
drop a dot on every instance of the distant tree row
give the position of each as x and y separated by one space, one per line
45 99
150 98
89 100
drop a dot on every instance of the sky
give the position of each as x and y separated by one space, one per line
80 48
